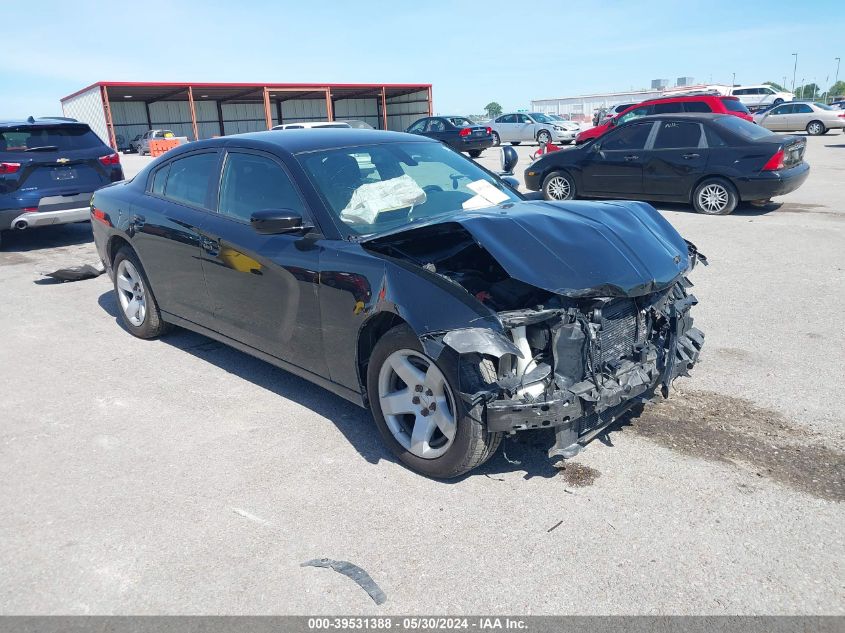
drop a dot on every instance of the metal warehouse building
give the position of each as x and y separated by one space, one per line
581 108
118 111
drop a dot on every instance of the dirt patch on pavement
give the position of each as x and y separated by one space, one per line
578 475
729 429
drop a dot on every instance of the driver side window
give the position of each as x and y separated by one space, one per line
253 183
635 114
630 137
418 127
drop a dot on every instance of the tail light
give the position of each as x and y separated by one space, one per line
111 159
490 129
465 132
775 162
100 216
30 209
9 168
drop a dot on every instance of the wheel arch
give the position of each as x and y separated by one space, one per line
371 331
114 244
727 179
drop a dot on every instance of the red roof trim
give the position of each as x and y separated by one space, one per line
177 84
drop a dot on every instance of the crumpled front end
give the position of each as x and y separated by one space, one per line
575 365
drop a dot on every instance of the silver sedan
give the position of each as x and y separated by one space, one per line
815 118
521 127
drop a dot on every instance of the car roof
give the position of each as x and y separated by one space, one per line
683 116
305 140
41 122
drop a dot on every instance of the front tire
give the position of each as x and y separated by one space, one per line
543 137
715 196
419 413
136 302
777 101
474 153
559 186
816 128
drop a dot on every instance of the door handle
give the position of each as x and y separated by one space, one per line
631 157
688 156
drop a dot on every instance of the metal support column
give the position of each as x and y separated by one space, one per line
104 94
268 115
430 103
193 110
383 108
329 109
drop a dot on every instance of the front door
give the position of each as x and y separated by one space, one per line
778 117
614 164
263 288
676 159
525 128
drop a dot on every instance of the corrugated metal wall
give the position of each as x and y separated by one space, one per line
404 110
244 117
88 108
129 119
303 110
366 110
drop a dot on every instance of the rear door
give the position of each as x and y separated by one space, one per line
675 159
799 116
506 126
437 129
53 162
614 164
263 288
164 226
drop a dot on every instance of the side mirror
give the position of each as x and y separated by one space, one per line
512 182
509 159
276 221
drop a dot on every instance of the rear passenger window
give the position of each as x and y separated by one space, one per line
668 108
160 180
697 106
188 178
713 138
254 183
678 135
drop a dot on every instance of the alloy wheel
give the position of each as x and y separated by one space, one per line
131 292
713 198
559 188
417 404
814 128
543 138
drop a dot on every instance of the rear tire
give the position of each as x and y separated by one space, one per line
470 444
496 139
559 186
816 128
136 302
475 153
715 196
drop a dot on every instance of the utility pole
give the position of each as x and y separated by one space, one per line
802 88
733 80
836 79
794 69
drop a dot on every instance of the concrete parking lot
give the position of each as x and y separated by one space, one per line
180 476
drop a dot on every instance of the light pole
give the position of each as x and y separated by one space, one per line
733 80
802 88
794 69
836 79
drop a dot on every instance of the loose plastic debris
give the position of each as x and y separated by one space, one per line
77 273
354 572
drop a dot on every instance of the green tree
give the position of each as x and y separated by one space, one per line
776 86
807 91
837 89
493 109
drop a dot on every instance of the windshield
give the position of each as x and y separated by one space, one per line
747 130
540 118
375 188
458 121
48 138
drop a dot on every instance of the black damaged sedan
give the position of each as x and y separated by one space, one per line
394 272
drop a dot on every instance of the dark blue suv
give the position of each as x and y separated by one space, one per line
49 168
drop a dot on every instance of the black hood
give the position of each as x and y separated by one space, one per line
576 249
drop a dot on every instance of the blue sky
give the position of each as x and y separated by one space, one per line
473 52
